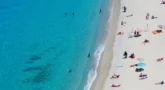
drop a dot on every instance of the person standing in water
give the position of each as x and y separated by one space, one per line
73 13
89 55
100 10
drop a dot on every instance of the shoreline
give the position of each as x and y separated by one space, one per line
105 64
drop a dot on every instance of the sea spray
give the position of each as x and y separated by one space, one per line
93 73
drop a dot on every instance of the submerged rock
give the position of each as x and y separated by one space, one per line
41 75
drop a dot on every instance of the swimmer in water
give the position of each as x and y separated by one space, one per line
100 10
73 13
89 55
66 14
70 71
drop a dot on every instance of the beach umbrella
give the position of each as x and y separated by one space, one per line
141 64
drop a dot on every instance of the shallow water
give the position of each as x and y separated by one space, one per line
41 40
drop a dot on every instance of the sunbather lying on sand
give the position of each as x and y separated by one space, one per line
120 33
142 78
115 76
142 75
115 85
160 83
157 31
146 41
125 54
133 65
159 59
129 15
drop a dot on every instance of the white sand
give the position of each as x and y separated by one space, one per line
106 58
151 51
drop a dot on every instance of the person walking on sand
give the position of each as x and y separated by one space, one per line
147 16
124 9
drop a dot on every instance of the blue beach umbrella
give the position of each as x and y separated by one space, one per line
141 64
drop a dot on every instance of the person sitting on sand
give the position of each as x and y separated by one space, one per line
146 41
120 33
160 83
115 76
123 23
157 31
132 56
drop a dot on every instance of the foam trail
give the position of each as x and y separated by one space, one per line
93 73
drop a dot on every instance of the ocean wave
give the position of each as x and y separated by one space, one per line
93 73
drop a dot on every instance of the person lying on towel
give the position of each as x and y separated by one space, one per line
115 76
160 83
142 75
115 85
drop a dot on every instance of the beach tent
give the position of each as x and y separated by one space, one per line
141 64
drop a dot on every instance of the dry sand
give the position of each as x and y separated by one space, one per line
150 52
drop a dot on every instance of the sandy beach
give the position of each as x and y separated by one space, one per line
139 32
105 62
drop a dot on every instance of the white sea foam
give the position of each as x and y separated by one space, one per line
93 73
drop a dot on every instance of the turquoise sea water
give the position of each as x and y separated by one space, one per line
40 40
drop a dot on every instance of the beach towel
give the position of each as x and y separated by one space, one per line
130 36
142 78
119 65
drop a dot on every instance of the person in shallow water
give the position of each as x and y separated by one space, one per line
100 10
66 14
89 55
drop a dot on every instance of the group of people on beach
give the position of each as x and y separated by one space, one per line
132 55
